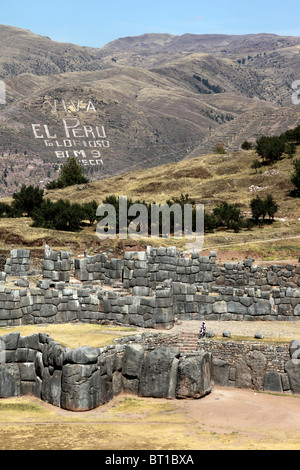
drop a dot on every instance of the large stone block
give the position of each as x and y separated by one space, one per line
11 341
10 381
272 382
220 307
51 387
220 372
133 360
84 355
48 310
292 368
80 387
157 374
251 371
193 380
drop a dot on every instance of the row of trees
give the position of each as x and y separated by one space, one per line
229 216
67 216
271 149
224 216
60 215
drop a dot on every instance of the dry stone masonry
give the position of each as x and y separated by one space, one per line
85 378
18 264
149 289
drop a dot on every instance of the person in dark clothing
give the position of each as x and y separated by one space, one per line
202 331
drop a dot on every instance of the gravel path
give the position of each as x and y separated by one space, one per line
270 329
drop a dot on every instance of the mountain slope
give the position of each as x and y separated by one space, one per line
138 102
24 52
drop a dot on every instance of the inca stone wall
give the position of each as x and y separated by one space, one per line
45 305
144 308
85 378
255 366
99 268
150 289
57 265
19 263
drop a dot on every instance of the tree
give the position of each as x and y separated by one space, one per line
290 149
6 210
295 178
263 207
246 145
258 209
210 222
71 173
271 206
228 215
90 209
270 149
60 215
27 199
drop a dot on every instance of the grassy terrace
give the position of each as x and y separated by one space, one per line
75 335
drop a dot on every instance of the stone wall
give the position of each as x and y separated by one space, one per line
99 268
144 308
85 378
237 304
45 305
57 266
18 264
255 366
151 289
157 264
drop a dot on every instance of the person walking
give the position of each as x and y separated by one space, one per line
202 332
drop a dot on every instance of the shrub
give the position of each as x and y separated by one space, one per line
27 200
246 145
228 215
70 174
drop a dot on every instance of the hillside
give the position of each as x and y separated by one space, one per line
25 52
208 179
155 99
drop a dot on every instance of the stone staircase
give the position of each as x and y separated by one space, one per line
188 342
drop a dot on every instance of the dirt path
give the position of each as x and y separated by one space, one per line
227 419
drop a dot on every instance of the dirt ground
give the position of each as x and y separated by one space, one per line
256 417
227 419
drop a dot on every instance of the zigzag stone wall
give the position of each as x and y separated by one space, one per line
151 289
85 378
